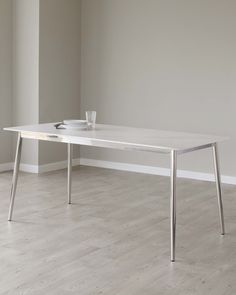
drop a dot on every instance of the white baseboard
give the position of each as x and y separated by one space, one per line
155 170
47 167
56 166
6 167
39 168
118 166
29 168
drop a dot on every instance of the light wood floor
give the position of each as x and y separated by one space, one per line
114 238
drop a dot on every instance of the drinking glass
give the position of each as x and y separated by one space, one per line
91 119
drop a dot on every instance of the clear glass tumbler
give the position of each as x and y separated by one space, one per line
91 119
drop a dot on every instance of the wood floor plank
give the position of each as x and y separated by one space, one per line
114 238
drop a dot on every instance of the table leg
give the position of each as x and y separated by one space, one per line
15 175
70 152
173 202
218 186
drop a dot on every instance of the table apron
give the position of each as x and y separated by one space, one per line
201 147
93 142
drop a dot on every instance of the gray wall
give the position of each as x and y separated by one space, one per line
40 71
59 69
161 64
5 78
145 63
25 71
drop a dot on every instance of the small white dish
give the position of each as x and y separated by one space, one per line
75 123
73 127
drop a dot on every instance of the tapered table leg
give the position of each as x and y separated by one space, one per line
70 152
15 175
218 187
173 202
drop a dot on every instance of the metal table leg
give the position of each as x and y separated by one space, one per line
218 186
70 152
15 175
173 202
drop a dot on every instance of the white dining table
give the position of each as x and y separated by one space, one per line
127 139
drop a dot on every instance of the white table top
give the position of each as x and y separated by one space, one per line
121 137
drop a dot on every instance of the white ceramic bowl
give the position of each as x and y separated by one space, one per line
71 127
75 123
